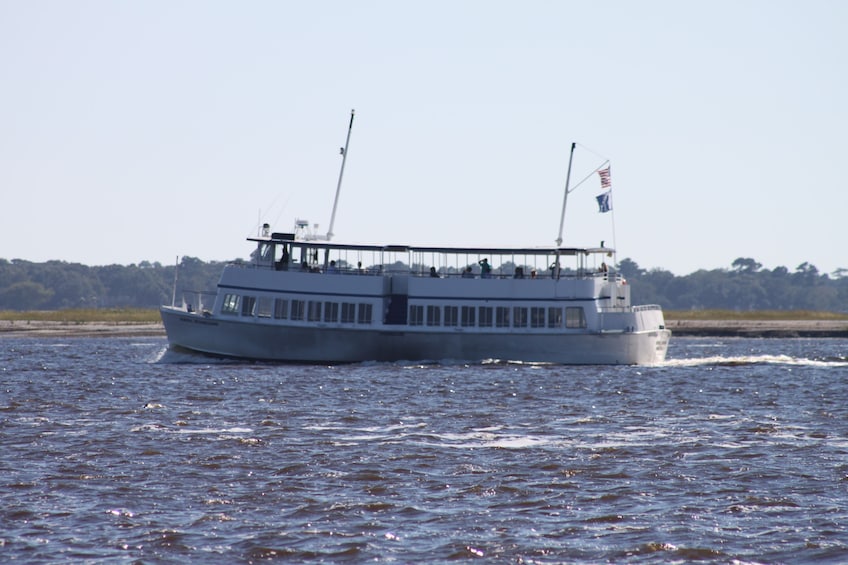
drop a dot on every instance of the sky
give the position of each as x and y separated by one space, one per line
149 130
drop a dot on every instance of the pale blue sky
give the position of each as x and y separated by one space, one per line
144 130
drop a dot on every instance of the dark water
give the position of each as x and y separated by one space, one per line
114 450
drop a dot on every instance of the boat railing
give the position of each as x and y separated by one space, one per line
198 300
647 307
424 271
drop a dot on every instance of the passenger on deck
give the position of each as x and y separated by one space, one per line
603 268
283 263
519 272
467 274
332 269
433 273
485 269
533 274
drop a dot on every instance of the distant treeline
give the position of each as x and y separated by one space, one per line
57 285
745 286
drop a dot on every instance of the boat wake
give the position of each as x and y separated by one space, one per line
747 360
178 356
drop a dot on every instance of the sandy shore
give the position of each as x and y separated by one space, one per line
35 328
705 328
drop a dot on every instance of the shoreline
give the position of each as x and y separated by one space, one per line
758 328
679 328
40 328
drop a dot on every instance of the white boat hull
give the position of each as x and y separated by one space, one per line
321 343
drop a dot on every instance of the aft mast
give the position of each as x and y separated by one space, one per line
565 195
341 174
556 265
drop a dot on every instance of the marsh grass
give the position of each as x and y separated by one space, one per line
86 315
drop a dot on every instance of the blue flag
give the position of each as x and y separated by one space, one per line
604 202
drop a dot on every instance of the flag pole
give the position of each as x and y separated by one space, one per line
565 196
341 174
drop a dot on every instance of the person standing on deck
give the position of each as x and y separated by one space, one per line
485 269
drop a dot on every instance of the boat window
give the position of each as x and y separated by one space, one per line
331 311
467 316
348 313
519 317
416 315
537 317
574 317
297 309
263 309
365 311
554 317
502 316
248 306
281 308
433 315
264 252
231 304
314 311
451 315
485 314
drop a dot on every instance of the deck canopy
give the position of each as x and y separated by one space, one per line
562 251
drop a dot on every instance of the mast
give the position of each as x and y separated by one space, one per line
341 174
565 196
176 276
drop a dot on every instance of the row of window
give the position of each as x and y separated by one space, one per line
419 315
497 316
298 310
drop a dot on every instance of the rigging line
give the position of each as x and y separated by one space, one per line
270 207
587 177
273 202
283 209
592 151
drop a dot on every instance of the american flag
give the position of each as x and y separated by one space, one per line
605 178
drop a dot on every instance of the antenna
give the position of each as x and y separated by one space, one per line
341 174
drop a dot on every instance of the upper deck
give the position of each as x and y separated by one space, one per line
281 251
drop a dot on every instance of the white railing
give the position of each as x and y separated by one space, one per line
647 307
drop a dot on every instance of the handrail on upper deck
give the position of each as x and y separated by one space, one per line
373 270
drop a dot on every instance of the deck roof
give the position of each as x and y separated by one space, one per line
565 251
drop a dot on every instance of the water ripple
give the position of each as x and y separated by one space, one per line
121 450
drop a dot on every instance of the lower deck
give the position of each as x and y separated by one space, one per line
427 305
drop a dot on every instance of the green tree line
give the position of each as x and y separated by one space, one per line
745 286
57 285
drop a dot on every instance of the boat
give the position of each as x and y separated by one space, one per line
307 299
